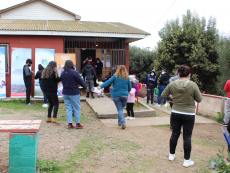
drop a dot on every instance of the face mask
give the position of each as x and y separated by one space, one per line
152 74
84 61
97 61
29 65
162 72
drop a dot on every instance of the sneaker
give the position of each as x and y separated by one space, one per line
45 106
132 118
70 126
188 163
127 118
171 157
147 103
29 104
79 126
224 124
157 105
123 126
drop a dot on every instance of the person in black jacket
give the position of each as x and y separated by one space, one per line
89 73
38 76
164 81
27 77
99 66
50 79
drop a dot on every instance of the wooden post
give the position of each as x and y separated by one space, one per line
222 107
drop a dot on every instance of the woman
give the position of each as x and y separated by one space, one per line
71 95
183 92
89 73
50 80
38 76
99 66
121 89
151 84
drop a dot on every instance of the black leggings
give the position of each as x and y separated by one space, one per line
150 92
129 108
53 103
187 121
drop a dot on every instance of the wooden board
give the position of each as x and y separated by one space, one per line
20 125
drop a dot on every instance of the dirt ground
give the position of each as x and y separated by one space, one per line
100 149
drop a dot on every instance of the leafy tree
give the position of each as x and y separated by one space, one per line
141 62
191 43
224 62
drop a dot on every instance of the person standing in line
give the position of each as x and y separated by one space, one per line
38 76
27 77
89 73
71 95
130 103
99 66
183 92
151 84
121 89
164 81
50 80
227 111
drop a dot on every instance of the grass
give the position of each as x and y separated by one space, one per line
7 112
219 118
157 115
131 158
207 143
167 126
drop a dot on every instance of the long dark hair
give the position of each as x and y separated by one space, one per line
68 65
184 70
40 67
49 70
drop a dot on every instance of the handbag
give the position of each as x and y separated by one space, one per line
157 91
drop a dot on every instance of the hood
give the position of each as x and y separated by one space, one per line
153 71
88 66
182 86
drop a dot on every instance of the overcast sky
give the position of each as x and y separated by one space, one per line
148 15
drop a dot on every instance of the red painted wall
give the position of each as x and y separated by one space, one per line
48 42
127 57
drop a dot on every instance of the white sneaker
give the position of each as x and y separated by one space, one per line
127 118
188 163
132 118
157 105
171 157
45 106
29 104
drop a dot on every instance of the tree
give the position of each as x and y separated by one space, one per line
141 62
191 43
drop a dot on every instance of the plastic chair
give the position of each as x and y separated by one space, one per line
140 87
226 137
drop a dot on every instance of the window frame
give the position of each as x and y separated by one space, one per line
7 65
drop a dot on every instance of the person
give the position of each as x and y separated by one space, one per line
101 92
27 77
227 111
99 66
130 102
89 59
121 89
89 73
164 81
71 95
50 80
107 77
151 84
38 76
183 92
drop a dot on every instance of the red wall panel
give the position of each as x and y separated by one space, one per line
48 42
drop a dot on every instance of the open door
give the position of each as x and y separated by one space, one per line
78 59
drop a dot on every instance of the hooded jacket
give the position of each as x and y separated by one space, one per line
155 79
99 67
88 71
164 80
184 93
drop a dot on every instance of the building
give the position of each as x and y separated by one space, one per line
41 24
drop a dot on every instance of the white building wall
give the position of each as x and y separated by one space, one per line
37 11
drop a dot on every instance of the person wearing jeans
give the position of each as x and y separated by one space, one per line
121 89
184 92
71 95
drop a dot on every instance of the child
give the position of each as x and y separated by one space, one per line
130 102
101 93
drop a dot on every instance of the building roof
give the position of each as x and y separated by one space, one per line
77 17
68 26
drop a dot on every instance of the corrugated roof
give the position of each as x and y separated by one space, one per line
68 26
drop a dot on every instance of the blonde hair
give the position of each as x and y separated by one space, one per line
122 72
50 70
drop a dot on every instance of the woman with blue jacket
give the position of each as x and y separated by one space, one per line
151 84
121 88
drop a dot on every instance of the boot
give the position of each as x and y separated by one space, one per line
92 95
54 120
87 95
48 120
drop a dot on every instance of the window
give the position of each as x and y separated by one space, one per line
6 56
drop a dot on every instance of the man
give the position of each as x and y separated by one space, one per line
227 112
27 76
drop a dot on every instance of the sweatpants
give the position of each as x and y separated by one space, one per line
129 108
53 103
227 111
89 84
187 121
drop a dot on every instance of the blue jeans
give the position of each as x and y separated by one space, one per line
120 103
72 104
45 98
162 88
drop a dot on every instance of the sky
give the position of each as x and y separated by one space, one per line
147 15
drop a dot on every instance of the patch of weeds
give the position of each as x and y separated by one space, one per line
91 112
200 114
157 115
62 119
220 118
206 143
48 165
7 112
204 170
166 125
126 145
131 158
